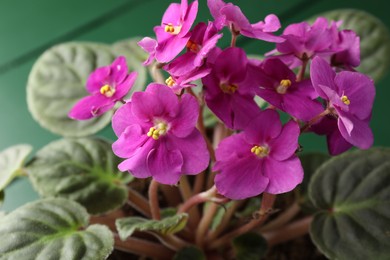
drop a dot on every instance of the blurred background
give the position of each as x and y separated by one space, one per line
28 28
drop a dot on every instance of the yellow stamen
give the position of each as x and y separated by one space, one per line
228 88
107 90
169 28
170 81
157 131
260 151
283 86
192 46
345 100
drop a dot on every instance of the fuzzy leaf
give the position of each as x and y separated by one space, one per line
11 161
352 194
310 163
189 253
374 39
53 229
84 170
250 246
166 226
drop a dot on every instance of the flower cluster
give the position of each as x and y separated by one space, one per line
161 133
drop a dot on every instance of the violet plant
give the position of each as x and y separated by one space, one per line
173 185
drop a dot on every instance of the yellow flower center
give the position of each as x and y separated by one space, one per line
192 46
283 86
156 131
345 100
228 88
107 90
174 30
260 151
170 81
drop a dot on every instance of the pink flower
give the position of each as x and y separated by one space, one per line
157 135
172 35
259 159
350 97
227 14
229 89
107 85
278 87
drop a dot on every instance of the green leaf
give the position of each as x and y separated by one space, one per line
135 56
84 170
166 226
11 162
352 194
250 246
189 253
53 229
57 81
310 163
220 213
374 39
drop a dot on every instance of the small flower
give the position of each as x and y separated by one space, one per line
350 97
259 159
172 35
229 89
278 86
149 45
227 14
347 46
158 137
107 85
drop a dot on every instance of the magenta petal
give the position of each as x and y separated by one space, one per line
165 165
215 7
302 108
285 145
137 164
233 146
264 127
128 142
172 15
235 16
169 49
322 74
149 45
231 65
271 24
97 79
283 176
360 91
185 121
91 106
119 70
124 87
241 179
360 135
194 151
124 117
189 18
337 144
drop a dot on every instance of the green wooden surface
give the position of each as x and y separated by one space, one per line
27 30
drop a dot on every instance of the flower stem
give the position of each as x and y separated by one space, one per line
301 73
138 202
156 74
153 200
143 247
283 218
266 206
314 120
186 193
234 36
197 199
289 232
205 223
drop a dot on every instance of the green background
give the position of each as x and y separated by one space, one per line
28 28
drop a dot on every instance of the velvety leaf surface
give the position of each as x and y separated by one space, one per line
310 163
166 226
374 39
57 81
11 160
250 246
84 170
53 229
352 192
189 253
